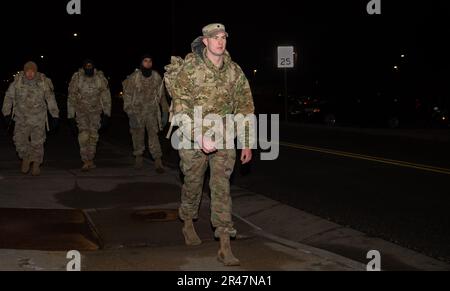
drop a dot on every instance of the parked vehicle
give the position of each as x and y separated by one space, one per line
379 110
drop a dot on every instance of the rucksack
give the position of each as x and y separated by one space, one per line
170 79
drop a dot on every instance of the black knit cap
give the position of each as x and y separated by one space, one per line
146 56
88 61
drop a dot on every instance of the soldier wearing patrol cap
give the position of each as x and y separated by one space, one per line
212 30
27 100
208 78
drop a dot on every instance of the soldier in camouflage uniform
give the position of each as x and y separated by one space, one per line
210 79
143 93
29 97
89 97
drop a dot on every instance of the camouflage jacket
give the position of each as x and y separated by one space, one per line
88 94
30 100
142 96
218 91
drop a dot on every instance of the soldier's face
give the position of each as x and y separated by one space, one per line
30 75
147 63
88 66
216 44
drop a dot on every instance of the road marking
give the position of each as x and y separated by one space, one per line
369 158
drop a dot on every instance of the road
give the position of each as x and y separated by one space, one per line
395 188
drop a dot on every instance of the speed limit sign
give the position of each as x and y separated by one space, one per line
285 57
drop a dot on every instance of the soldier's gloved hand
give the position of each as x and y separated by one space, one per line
73 125
8 120
133 121
105 121
9 124
164 118
54 124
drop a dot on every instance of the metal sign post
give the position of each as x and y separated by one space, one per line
285 62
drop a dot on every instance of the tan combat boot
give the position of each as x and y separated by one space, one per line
139 162
85 167
159 166
25 166
190 235
88 165
225 255
36 171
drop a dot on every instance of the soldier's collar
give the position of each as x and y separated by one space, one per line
81 72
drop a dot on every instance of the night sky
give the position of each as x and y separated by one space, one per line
341 48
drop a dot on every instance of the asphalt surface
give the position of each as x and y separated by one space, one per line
405 202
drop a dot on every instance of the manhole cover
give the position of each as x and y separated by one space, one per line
156 215
47 230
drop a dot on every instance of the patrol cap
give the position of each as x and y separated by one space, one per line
212 29
30 66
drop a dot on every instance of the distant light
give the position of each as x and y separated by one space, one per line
444 118
403 56
255 71
75 34
395 67
42 57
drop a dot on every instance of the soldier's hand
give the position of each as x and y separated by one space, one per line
246 156
9 124
164 118
73 125
133 121
54 124
8 120
207 145
105 121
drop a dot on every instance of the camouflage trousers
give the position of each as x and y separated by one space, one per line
138 125
88 127
194 164
29 140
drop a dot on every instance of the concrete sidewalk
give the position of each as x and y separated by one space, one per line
272 236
